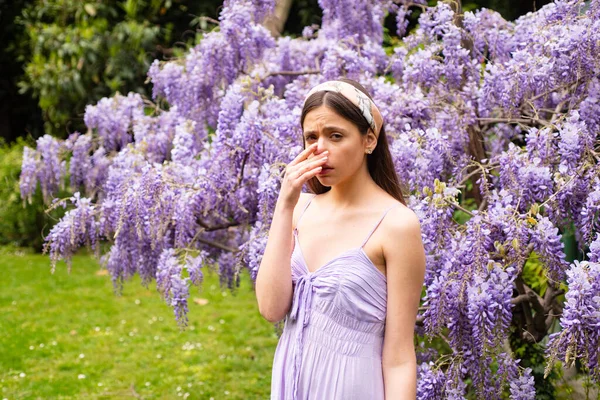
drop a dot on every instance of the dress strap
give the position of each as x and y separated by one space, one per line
376 225
302 213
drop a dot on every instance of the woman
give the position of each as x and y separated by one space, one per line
346 263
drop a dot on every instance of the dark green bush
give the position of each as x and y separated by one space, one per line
75 53
21 224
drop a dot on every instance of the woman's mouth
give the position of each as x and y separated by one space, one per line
325 170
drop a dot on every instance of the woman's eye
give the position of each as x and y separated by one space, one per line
335 136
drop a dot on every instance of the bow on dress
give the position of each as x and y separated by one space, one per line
301 310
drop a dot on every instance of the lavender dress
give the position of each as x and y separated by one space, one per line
332 339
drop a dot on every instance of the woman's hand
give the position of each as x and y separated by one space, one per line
297 172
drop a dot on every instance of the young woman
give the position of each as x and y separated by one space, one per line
345 264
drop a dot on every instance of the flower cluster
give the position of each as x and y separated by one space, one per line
112 119
78 227
580 320
172 285
43 165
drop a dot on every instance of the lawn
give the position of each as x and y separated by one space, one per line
68 336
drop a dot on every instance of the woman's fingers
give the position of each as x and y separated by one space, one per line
298 171
310 168
307 164
304 154
311 172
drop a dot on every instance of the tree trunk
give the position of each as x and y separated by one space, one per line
276 21
476 142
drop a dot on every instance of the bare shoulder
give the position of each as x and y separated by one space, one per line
302 200
403 247
401 220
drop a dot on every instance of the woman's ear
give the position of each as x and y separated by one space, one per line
371 139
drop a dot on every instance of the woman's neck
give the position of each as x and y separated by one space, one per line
354 193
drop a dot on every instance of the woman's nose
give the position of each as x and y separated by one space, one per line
321 147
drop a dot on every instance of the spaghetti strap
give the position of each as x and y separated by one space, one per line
302 213
376 225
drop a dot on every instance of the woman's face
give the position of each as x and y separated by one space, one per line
340 137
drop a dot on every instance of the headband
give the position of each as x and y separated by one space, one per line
368 109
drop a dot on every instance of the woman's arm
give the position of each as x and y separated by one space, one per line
405 271
274 278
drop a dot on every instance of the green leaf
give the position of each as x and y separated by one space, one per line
90 9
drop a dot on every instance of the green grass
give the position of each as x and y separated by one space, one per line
70 337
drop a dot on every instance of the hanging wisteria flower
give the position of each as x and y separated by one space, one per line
489 306
430 382
77 228
589 222
28 179
580 320
170 283
112 119
594 253
80 165
523 388
194 267
44 165
547 244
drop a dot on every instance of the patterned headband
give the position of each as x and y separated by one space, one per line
364 103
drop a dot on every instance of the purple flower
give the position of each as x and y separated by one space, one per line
112 119
550 249
80 165
173 287
490 307
77 228
28 178
429 382
580 320
194 267
523 388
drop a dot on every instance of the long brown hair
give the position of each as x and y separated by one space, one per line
379 163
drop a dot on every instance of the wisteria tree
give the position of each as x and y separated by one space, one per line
494 129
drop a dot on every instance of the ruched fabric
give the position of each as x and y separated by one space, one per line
332 339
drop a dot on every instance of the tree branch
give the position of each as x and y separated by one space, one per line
288 73
486 121
217 245
209 228
526 308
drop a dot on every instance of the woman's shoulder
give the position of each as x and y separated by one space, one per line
304 198
302 202
400 218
